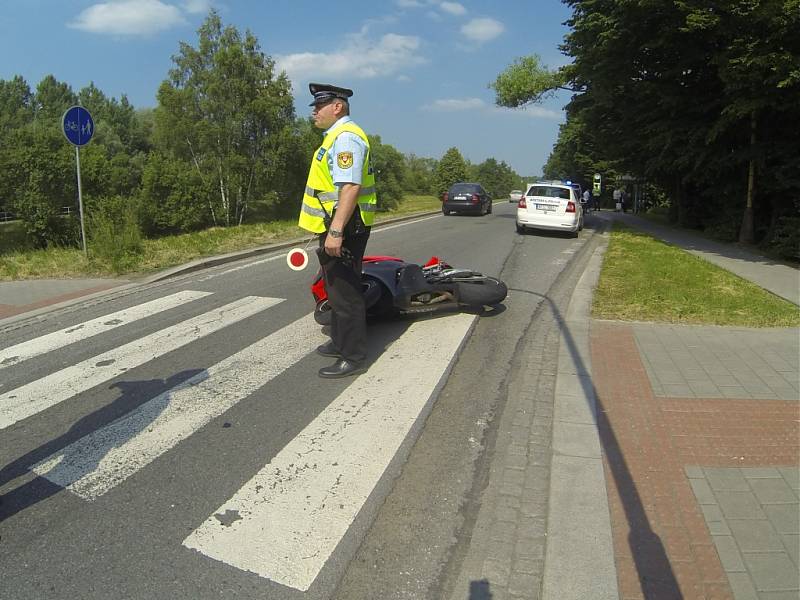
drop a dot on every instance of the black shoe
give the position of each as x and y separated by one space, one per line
328 349
341 368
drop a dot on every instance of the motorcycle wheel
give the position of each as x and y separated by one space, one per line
482 291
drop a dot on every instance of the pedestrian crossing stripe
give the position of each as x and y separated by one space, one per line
94 464
293 514
27 400
13 355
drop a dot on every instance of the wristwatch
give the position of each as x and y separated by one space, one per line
335 233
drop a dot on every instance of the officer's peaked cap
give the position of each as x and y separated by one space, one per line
324 92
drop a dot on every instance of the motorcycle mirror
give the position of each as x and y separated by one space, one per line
297 259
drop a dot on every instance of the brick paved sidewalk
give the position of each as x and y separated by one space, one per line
703 491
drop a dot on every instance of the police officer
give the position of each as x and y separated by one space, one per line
339 204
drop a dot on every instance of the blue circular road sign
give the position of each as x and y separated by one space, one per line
77 125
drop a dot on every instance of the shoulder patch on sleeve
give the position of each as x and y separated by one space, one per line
344 160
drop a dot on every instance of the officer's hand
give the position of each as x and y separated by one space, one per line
333 246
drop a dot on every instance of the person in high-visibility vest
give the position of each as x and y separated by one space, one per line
339 205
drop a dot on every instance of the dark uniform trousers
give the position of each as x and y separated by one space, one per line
345 295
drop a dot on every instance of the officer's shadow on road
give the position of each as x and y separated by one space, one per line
70 459
480 590
652 564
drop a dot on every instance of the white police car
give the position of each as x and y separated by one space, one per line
552 206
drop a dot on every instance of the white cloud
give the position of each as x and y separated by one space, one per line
531 111
197 6
359 58
477 104
482 29
450 104
454 8
128 17
537 112
409 3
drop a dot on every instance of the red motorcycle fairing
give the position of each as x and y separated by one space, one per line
318 285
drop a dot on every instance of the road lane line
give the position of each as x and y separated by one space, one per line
14 355
285 523
240 267
43 393
96 463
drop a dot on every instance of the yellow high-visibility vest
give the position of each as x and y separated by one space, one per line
321 194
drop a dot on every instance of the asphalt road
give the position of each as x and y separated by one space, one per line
178 432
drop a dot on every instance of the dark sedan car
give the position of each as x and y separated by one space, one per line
466 198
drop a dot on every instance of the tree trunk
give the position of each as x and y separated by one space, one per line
746 232
203 179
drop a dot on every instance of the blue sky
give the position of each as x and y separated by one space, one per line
420 69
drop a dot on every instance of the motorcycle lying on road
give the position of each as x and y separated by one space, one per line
395 287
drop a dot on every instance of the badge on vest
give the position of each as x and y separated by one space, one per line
344 160
321 153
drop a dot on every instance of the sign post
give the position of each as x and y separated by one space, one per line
78 128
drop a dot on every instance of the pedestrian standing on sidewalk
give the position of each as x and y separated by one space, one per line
339 205
617 195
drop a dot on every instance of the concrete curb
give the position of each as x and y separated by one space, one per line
579 561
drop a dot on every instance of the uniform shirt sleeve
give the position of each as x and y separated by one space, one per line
346 158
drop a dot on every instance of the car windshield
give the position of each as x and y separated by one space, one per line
464 188
549 192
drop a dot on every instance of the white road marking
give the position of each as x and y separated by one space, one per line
240 267
96 463
285 523
41 394
58 339
405 223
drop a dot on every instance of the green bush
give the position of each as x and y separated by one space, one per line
13 238
174 197
786 239
660 210
113 233
724 230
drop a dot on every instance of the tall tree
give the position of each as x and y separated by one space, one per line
52 98
224 110
389 169
16 104
497 178
451 169
419 173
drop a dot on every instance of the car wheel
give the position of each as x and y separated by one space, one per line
445 212
490 209
520 228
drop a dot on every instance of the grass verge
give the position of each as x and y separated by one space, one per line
161 253
644 279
